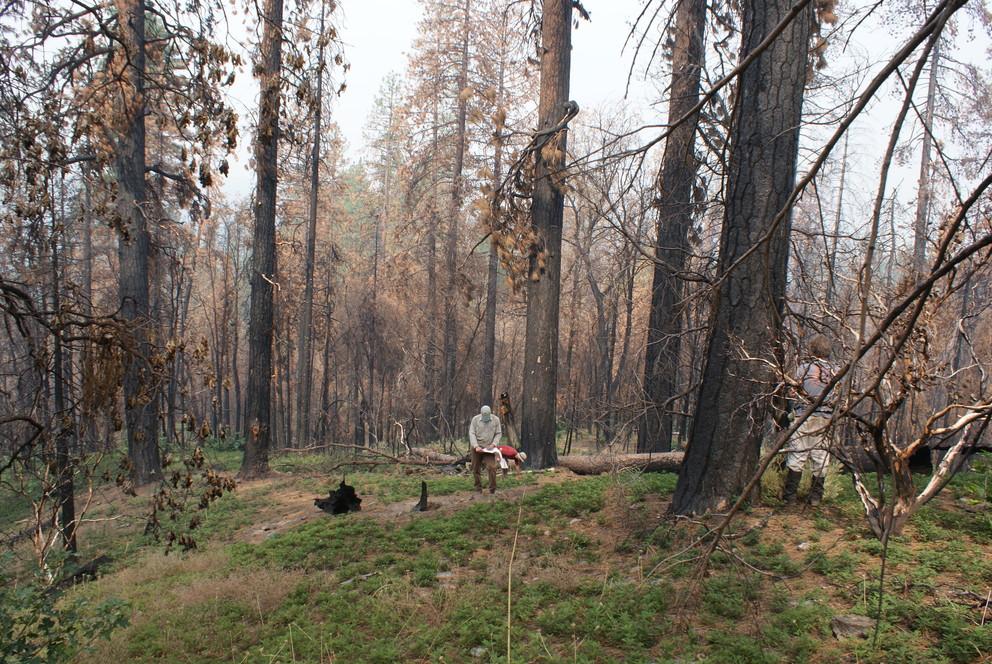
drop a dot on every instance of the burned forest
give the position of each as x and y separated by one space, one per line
496 331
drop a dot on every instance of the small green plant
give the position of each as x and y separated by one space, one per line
729 595
840 568
772 557
40 626
729 648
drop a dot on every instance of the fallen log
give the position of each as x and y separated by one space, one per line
434 457
582 464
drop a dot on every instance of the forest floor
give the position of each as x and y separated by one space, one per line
600 574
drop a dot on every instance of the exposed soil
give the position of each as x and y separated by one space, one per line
290 506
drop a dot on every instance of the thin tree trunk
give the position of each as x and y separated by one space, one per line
431 374
675 184
304 363
263 260
326 375
628 323
285 393
924 193
832 258
451 251
239 424
86 292
609 416
486 391
63 466
601 366
538 422
890 268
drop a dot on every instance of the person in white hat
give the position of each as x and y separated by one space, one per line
510 454
484 434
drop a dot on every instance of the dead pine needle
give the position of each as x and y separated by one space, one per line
509 582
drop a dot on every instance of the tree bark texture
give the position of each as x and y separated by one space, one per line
748 301
538 422
140 392
263 258
674 203
304 362
64 466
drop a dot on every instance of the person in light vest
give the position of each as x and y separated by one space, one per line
484 434
812 442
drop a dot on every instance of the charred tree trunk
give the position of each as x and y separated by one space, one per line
620 372
304 362
325 385
263 258
239 424
285 393
674 202
63 429
538 422
140 393
89 434
746 320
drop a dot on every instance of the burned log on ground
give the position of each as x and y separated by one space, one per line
340 501
437 458
580 464
84 572
597 464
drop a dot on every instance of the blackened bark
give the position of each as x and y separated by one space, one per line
263 257
674 203
538 422
86 293
235 366
735 393
284 400
140 391
239 424
304 362
64 467
325 386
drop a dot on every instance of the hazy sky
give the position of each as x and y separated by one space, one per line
377 37
378 34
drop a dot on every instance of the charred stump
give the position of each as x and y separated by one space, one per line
340 501
422 504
